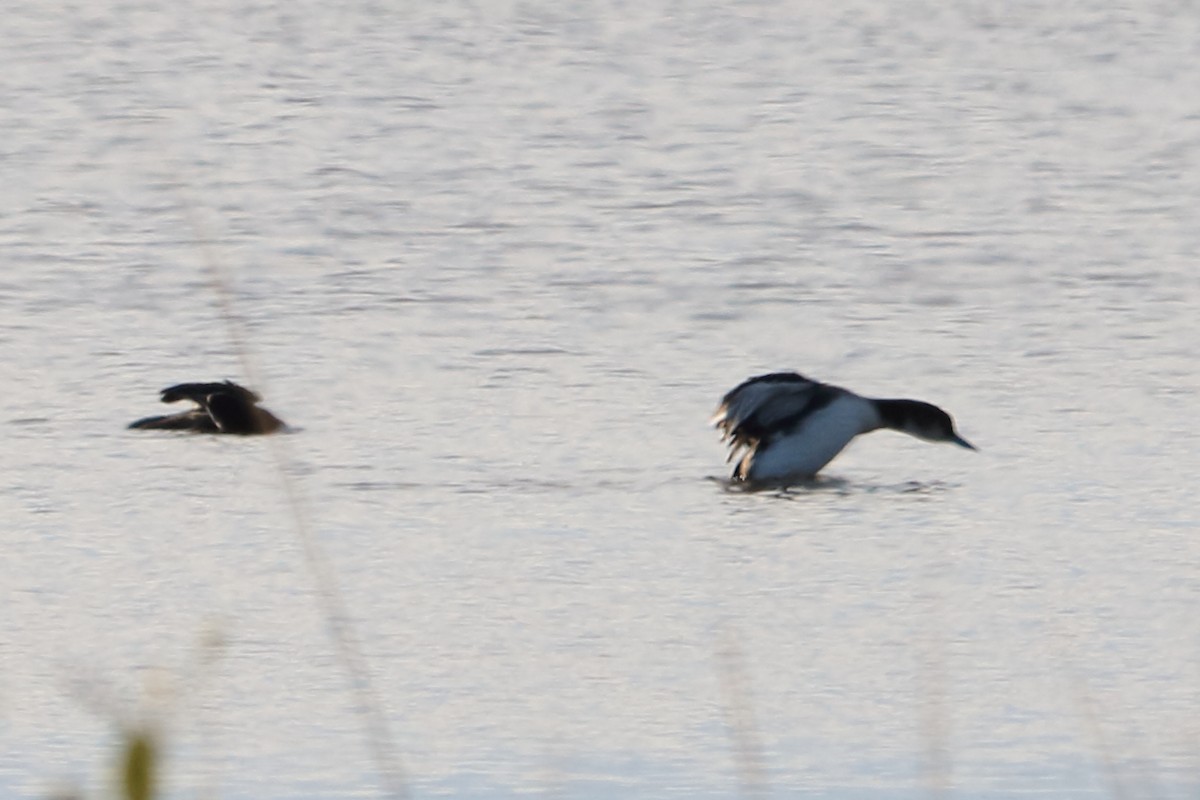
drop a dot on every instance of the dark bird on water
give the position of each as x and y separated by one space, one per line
784 427
221 408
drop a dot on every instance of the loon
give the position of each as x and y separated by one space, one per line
784 427
222 408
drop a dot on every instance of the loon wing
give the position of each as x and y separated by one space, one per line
196 419
198 392
764 409
762 405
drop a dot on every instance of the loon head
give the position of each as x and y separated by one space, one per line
926 421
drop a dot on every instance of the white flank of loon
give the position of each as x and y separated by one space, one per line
784 427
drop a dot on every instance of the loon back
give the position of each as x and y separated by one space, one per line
233 413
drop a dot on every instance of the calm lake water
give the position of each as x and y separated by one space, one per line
497 262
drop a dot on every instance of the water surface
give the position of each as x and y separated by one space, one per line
498 263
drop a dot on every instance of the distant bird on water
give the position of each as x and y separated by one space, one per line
784 427
223 408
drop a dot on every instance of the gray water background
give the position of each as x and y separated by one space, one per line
497 262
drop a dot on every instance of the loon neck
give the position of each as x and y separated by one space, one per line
896 414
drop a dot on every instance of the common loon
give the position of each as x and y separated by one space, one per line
223 408
784 427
